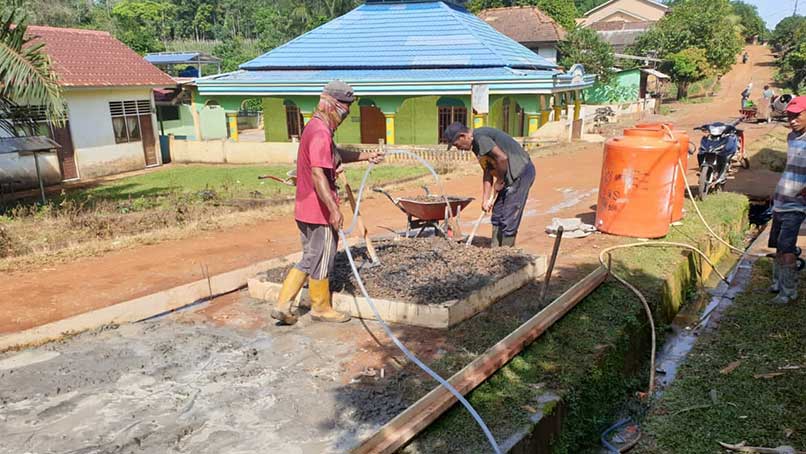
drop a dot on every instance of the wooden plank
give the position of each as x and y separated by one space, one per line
359 223
400 430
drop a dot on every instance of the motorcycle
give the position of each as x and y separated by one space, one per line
721 150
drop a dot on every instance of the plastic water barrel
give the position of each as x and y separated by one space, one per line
678 201
636 186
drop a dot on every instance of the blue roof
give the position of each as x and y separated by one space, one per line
391 81
377 75
173 58
401 35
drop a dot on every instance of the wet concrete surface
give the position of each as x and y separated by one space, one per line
175 385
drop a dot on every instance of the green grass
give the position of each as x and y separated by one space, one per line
595 357
769 152
767 412
697 92
227 181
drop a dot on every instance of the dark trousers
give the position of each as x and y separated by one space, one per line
508 208
784 230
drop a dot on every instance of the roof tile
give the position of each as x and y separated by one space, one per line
90 58
524 24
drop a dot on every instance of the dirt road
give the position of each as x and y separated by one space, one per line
566 186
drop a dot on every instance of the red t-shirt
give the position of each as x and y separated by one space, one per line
316 149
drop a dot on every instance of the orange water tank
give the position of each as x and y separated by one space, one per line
636 186
678 201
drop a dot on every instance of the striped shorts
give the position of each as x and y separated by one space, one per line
319 245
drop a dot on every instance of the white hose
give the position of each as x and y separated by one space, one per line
343 234
640 295
702 218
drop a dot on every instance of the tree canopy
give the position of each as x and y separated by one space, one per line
584 46
696 24
688 66
789 40
751 22
562 11
148 25
26 78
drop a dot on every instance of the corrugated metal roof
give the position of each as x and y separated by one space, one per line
174 58
392 81
27 144
404 35
377 75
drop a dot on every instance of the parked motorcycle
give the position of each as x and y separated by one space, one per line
721 150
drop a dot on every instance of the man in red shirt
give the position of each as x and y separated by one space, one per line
317 206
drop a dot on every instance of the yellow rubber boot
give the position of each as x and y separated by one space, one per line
321 307
291 286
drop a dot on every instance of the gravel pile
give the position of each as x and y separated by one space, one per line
432 199
422 271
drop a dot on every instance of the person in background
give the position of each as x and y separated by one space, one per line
746 95
765 109
317 206
508 173
789 207
745 57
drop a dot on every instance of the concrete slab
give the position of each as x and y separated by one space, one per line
170 385
442 315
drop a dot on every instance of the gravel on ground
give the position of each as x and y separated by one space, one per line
422 270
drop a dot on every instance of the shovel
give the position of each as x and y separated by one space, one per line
478 222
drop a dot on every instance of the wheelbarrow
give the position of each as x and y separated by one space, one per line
430 211
289 180
748 114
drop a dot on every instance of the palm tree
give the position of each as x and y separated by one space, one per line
27 82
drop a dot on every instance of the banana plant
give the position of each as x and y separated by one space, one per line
28 83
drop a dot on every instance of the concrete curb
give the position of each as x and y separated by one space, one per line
141 308
439 316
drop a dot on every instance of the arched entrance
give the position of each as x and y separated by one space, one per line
250 120
373 122
293 119
450 110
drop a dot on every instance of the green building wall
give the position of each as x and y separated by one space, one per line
181 127
417 121
624 86
274 122
350 129
496 115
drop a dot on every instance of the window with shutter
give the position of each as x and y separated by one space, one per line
126 118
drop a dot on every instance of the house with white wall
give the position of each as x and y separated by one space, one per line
624 11
529 26
108 88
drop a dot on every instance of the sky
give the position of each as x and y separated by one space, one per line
772 11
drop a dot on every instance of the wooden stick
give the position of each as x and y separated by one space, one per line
741 447
360 224
400 430
478 222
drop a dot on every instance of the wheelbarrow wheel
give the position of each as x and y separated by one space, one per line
745 163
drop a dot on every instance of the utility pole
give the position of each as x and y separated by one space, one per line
795 13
